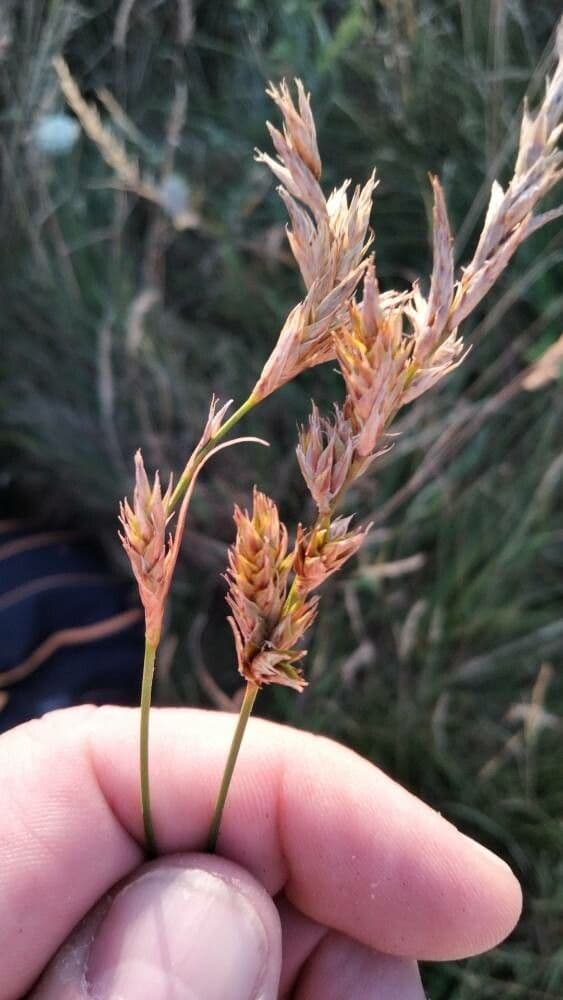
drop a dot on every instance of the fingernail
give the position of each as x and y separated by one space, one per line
179 933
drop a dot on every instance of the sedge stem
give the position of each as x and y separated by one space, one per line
146 689
244 715
194 462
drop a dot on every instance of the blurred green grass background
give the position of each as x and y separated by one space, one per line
439 655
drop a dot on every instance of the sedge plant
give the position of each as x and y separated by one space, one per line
391 347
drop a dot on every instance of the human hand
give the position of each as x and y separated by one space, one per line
364 878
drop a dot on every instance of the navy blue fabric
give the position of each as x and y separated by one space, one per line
51 582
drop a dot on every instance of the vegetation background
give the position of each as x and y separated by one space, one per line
438 656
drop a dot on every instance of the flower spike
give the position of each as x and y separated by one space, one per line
149 551
266 627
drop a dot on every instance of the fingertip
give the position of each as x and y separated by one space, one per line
477 902
410 884
488 887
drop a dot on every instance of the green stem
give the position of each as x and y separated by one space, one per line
244 715
146 688
188 473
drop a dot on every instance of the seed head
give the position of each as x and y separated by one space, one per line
325 452
299 125
510 216
373 353
321 552
445 358
258 567
266 626
431 317
328 239
274 662
149 552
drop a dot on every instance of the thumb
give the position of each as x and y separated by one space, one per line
190 926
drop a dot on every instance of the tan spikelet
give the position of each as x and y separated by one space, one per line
321 552
325 453
373 354
433 317
510 216
145 542
265 627
299 124
393 350
328 239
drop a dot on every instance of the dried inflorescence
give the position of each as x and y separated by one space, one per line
373 354
510 219
325 453
328 239
323 550
391 348
153 555
269 588
510 216
150 552
394 347
125 168
265 628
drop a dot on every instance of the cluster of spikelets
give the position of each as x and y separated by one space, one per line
391 348
152 553
270 589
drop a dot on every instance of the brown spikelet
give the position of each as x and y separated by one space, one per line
275 662
325 452
378 357
323 551
328 239
144 540
373 354
258 559
299 125
510 216
266 626
510 219
153 556
432 318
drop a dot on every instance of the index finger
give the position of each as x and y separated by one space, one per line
348 846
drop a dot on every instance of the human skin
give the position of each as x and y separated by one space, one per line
365 878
